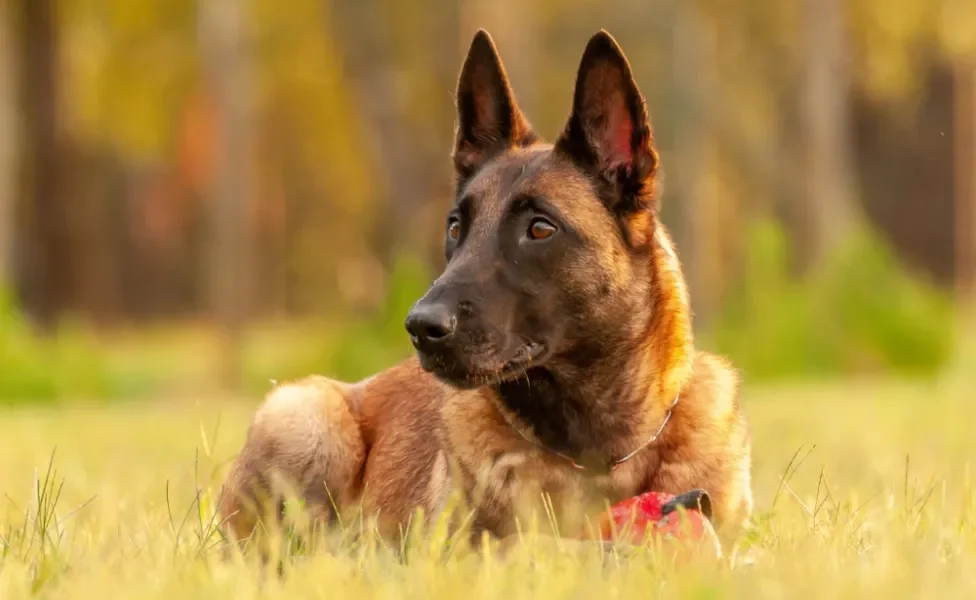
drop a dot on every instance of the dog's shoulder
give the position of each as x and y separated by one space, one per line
402 399
707 442
707 415
713 388
476 427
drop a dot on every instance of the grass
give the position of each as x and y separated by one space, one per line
863 489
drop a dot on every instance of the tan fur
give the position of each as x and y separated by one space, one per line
303 436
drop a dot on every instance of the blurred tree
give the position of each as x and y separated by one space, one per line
377 40
965 184
352 119
225 44
47 272
695 229
790 73
401 60
127 70
8 139
828 205
315 159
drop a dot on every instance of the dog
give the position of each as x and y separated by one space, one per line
555 366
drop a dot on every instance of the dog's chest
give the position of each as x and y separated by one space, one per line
528 485
508 478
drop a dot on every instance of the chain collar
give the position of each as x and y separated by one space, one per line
610 465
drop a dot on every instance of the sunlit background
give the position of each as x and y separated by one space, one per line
199 197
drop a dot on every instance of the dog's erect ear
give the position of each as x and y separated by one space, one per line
608 132
489 119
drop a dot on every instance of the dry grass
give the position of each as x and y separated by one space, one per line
863 489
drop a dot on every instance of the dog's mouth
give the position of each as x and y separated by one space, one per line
474 374
524 357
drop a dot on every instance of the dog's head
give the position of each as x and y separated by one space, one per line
547 245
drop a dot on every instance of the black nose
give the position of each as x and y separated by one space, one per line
430 323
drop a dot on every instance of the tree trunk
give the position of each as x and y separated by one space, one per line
695 234
828 206
384 48
224 44
47 268
964 135
8 139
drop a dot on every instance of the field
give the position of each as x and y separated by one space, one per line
879 502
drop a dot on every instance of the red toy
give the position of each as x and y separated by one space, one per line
656 514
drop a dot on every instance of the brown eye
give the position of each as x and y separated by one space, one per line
540 229
453 229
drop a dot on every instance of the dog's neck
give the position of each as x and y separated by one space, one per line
605 400
589 419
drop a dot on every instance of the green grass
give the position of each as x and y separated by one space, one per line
877 501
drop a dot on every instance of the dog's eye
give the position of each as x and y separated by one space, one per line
453 229
540 229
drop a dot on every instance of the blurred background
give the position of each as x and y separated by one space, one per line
202 196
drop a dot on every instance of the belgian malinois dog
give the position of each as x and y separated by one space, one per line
554 353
